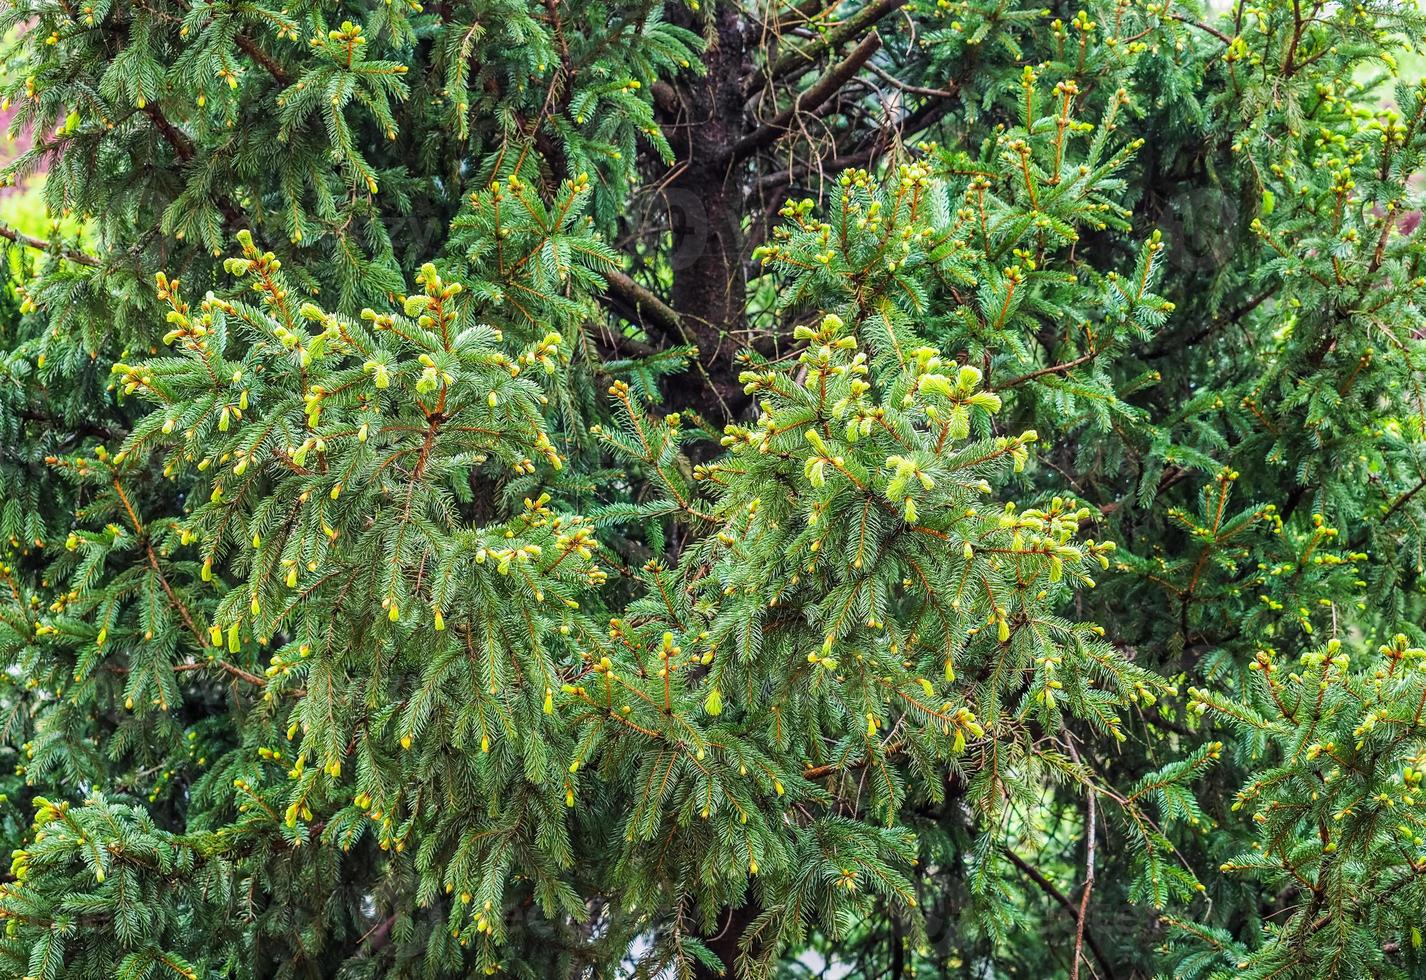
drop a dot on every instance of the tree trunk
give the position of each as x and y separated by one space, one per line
733 923
705 204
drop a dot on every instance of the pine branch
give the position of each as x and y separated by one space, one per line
182 145
1206 28
1403 500
1063 368
184 148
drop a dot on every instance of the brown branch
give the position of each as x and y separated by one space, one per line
809 99
1403 500
184 148
801 59
142 533
1048 887
1090 830
176 138
172 596
894 82
552 7
818 772
623 295
1166 347
639 304
30 241
1052 369
250 47
231 668
1206 28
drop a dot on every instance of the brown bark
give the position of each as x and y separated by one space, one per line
706 207
733 924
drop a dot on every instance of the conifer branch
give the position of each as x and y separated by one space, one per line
1403 500
1206 28
1061 368
176 138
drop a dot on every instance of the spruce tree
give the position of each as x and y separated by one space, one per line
603 489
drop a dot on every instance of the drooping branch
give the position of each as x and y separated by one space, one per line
182 145
1403 500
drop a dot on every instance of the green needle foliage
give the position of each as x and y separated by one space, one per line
1337 781
596 488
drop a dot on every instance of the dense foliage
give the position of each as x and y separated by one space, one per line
602 488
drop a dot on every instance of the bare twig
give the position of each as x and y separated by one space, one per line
894 82
809 99
30 241
1048 887
1091 816
1206 28
801 59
